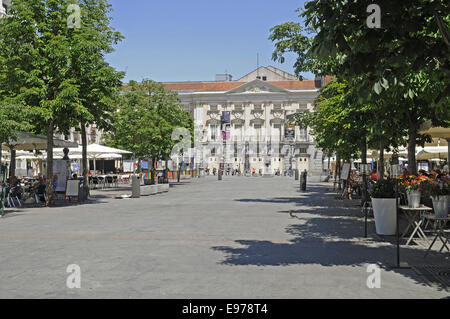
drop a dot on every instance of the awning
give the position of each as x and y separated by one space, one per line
31 142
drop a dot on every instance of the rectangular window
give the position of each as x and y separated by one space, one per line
303 134
276 132
213 131
258 131
237 132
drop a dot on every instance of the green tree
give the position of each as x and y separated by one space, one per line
146 117
13 116
35 54
410 63
98 82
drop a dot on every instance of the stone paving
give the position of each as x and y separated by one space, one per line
243 237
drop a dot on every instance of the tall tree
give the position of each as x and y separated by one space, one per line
391 58
35 54
98 82
146 117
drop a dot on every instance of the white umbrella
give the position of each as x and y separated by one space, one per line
439 132
94 151
432 152
31 142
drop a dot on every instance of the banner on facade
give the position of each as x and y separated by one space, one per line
289 131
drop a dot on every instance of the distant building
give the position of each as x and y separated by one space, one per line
260 105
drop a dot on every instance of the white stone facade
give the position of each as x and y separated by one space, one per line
259 116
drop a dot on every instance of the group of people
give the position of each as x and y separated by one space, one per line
434 174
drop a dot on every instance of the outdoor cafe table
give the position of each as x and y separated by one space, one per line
439 229
415 221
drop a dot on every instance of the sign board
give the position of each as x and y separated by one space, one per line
73 188
128 166
144 164
289 131
345 173
60 170
226 117
226 133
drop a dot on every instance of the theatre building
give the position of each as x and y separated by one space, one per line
260 136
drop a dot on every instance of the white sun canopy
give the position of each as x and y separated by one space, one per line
94 151
31 142
432 152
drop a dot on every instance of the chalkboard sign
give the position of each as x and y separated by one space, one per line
345 171
73 188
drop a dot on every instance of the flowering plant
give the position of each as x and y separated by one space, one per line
440 187
416 183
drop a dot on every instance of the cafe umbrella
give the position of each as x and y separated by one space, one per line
95 151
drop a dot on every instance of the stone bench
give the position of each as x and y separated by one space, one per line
154 189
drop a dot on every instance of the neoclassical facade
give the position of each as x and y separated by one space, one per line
260 137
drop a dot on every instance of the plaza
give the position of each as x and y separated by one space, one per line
243 237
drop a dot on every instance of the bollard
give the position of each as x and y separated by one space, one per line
135 186
303 179
219 174
296 174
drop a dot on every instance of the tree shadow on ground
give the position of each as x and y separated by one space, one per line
328 236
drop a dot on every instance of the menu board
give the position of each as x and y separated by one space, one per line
345 173
60 170
73 188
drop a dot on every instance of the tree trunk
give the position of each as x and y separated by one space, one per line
412 135
85 162
49 188
381 162
167 170
12 166
153 170
338 170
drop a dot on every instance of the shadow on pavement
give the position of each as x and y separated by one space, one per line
327 236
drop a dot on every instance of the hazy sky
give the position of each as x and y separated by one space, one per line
176 40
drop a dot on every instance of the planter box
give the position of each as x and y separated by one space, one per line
414 199
440 206
149 190
385 215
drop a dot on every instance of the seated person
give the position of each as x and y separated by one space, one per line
374 176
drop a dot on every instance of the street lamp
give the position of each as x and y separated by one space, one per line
396 171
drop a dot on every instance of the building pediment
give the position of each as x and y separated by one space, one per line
257 86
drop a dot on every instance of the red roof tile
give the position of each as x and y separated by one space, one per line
226 86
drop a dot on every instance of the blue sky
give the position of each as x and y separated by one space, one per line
176 40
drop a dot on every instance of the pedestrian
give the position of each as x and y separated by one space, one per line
374 175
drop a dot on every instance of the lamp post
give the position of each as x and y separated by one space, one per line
395 173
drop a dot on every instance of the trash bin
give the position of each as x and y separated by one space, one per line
135 186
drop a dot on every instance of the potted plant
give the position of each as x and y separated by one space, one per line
440 194
413 185
383 203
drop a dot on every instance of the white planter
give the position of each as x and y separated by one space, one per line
440 206
414 199
385 215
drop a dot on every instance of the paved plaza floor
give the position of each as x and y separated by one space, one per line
243 237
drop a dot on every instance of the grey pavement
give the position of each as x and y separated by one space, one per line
243 237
